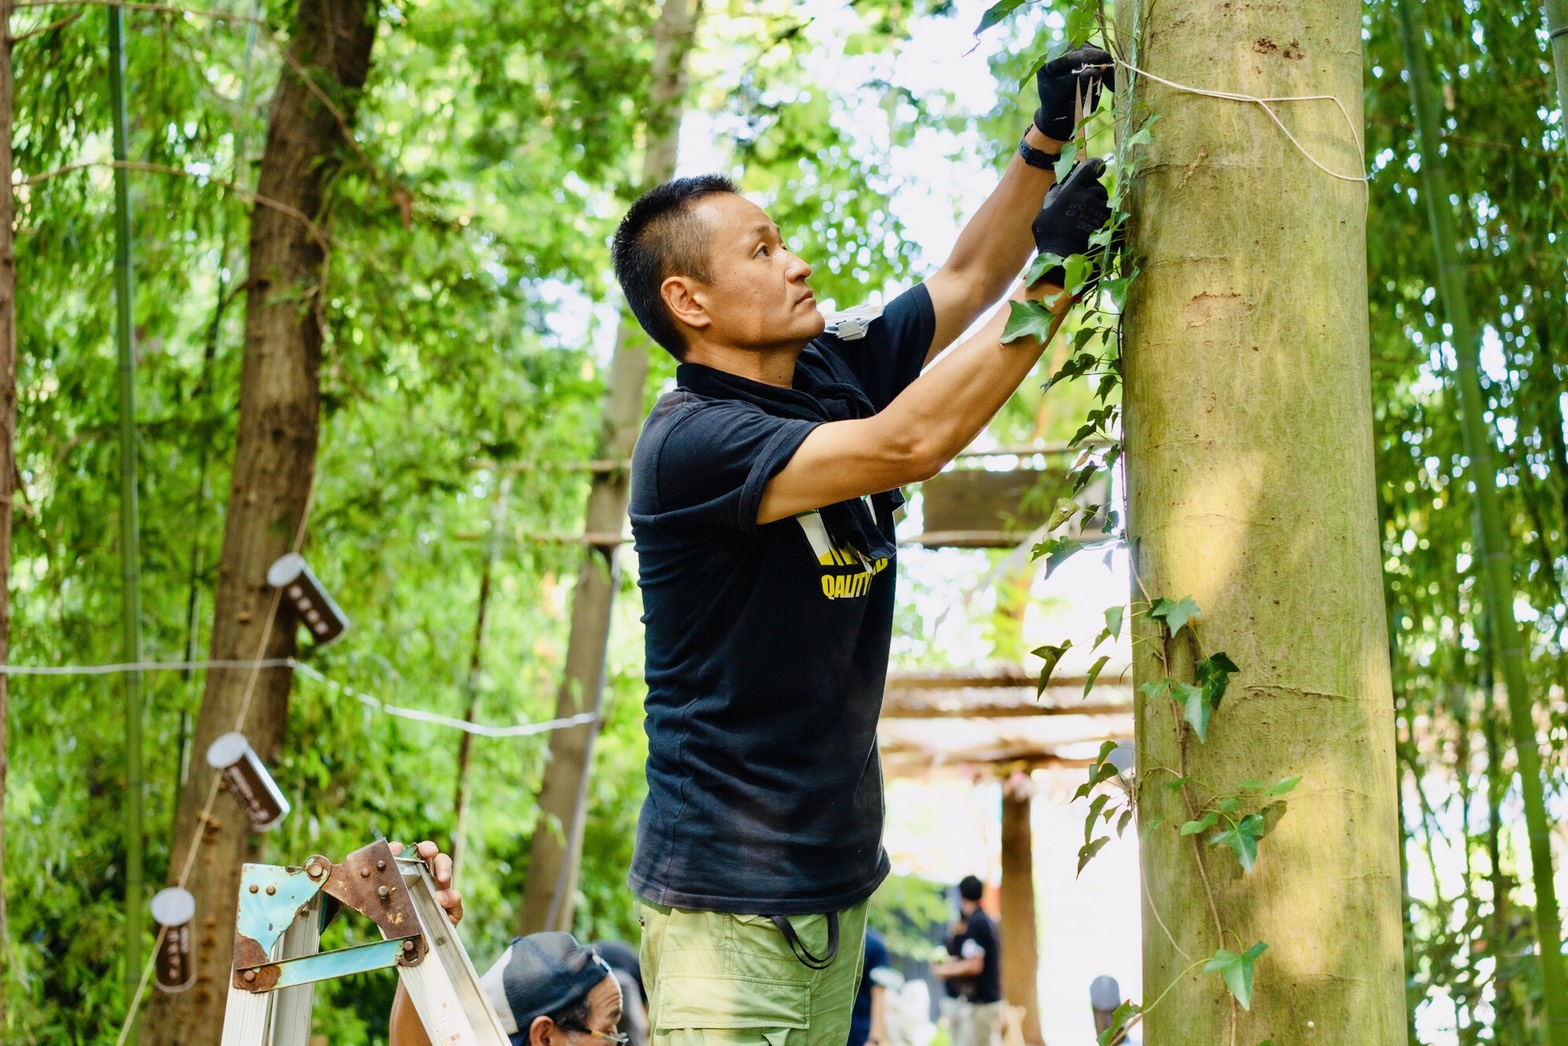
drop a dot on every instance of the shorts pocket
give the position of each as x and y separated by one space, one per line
713 1001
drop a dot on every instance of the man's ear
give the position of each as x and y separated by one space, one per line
683 296
544 1032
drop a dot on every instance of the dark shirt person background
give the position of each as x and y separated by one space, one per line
762 497
976 1014
868 1020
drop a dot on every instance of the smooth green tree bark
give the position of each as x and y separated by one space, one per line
1251 490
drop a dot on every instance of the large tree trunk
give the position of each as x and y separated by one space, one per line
557 842
1250 479
274 465
7 436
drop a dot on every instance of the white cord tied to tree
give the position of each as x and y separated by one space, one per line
1264 103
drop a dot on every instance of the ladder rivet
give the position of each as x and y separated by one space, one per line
408 946
364 873
254 888
250 975
271 890
381 866
383 893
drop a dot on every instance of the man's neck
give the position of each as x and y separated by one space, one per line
769 366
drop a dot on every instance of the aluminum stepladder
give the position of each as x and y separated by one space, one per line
277 956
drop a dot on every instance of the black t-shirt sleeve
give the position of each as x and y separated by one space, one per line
894 349
713 462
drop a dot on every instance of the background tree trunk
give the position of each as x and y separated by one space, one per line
274 465
1250 479
556 848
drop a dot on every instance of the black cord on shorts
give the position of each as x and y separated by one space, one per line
801 952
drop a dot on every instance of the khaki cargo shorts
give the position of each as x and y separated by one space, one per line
714 978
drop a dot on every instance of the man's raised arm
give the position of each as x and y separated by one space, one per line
995 242
941 411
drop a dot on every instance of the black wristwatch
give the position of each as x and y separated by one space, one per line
1036 157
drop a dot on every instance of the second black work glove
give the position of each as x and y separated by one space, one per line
1075 208
1062 88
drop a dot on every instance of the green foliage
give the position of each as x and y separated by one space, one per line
1175 613
1237 969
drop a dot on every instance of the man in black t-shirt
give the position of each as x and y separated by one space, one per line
762 497
976 1015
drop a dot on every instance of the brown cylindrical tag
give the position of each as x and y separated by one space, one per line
304 590
248 780
173 910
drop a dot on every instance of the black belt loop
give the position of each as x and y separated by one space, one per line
808 960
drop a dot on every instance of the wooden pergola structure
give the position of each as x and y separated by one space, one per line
993 715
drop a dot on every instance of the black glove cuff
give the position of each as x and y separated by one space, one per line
1037 157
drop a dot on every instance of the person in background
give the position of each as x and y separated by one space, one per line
977 1012
622 958
547 989
868 1020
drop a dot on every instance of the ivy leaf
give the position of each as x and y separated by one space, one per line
1154 822
1086 853
1237 971
1242 838
1051 655
1027 319
1213 674
995 13
1123 1013
1156 690
1283 785
1196 709
1123 821
1094 811
1094 673
1175 613
1056 552
1113 621
1204 823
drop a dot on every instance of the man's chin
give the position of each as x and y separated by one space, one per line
816 324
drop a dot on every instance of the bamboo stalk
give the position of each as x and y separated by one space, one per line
1490 539
1557 40
130 552
7 433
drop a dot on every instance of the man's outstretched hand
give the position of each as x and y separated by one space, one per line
1074 209
1061 88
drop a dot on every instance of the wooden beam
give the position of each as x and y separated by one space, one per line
1021 951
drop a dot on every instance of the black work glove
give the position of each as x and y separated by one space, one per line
1075 208
1060 88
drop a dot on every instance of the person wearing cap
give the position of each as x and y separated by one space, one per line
547 989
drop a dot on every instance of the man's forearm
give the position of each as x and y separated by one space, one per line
948 406
996 241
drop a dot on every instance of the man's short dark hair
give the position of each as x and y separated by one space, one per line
970 888
660 237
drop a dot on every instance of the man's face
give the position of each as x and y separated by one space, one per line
758 297
604 1009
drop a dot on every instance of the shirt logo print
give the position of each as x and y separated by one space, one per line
847 573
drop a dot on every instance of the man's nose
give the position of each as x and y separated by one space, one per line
799 268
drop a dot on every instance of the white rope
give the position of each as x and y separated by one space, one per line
1263 103
369 700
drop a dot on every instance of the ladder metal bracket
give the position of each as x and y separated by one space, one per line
270 899
368 881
